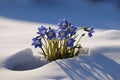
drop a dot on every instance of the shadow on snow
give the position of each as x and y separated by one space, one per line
94 67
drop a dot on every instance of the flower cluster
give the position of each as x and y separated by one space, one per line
59 43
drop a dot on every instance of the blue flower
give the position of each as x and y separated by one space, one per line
42 31
62 34
70 42
90 32
63 24
51 34
73 30
37 42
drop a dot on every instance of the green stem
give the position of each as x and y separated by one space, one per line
79 29
45 41
43 52
79 39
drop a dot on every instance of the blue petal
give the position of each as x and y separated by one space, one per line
71 43
34 39
53 34
90 34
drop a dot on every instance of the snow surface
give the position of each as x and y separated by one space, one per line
16 53
19 21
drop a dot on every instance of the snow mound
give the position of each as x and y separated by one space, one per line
23 60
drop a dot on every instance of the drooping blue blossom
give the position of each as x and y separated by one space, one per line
70 42
63 24
90 32
51 34
37 42
42 31
73 30
62 34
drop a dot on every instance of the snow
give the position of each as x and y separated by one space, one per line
16 52
20 61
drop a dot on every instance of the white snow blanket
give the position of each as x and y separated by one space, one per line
16 52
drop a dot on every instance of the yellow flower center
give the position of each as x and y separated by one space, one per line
50 34
38 42
43 32
64 25
69 41
62 33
